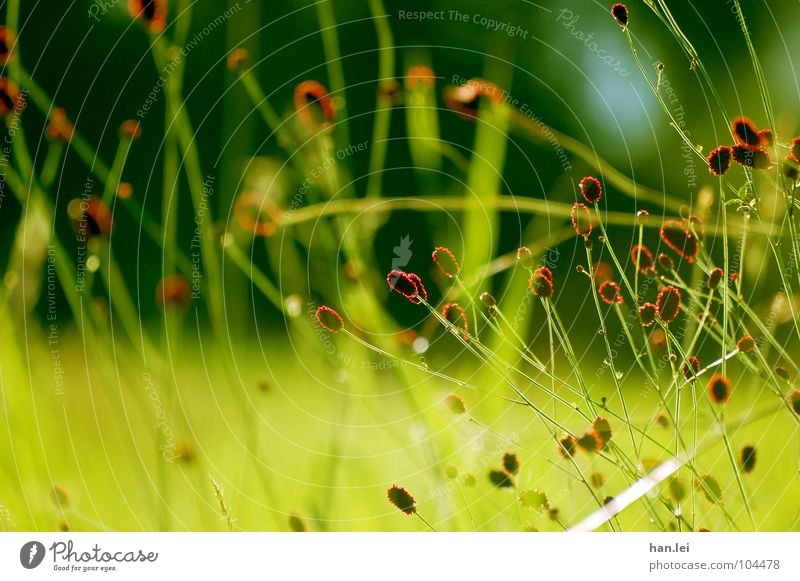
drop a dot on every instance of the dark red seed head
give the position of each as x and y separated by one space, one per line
647 314
567 445
541 283
591 189
588 442
676 235
9 97
719 388
446 261
7 45
401 499
329 319
420 75
404 284
669 304
643 259
501 479
747 459
610 293
746 344
510 463
581 219
745 132
767 137
751 157
152 12
173 291
691 368
601 428
60 127
796 148
794 401
715 277
307 96
455 314
422 293
719 161
666 263
790 168
620 13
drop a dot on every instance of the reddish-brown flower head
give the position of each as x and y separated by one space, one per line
602 431
130 129
420 75
581 219
455 314
668 304
173 291
610 293
677 236
745 132
719 161
620 13
643 259
91 217
591 189
746 344
752 157
60 127
794 401
715 277
256 213
152 12
422 293
796 149
567 445
719 388
9 97
647 314
588 442
465 99
691 368
541 283
767 137
446 261
401 499
401 282
329 319
7 44
313 104
237 58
